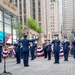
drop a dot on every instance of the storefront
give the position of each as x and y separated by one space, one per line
7 31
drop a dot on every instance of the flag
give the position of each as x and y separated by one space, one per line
13 51
5 53
40 51
61 52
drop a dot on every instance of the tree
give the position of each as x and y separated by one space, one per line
19 30
31 23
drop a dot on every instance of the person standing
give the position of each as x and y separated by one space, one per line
25 43
66 45
17 50
56 48
0 51
32 49
48 49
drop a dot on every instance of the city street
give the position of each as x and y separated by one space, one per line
41 66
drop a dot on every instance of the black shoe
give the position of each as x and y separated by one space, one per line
49 59
65 60
26 65
56 62
32 59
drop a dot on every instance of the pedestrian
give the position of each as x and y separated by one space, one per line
25 43
44 48
0 51
56 48
66 45
48 49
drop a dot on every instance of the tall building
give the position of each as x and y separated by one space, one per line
54 17
8 13
68 8
38 10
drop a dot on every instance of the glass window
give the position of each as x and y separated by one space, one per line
1 16
1 26
7 19
7 28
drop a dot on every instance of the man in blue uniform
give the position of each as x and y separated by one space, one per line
73 47
32 49
17 50
0 51
56 48
48 49
25 50
66 45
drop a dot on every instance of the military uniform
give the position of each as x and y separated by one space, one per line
32 49
56 49
17 50
0 51
25 43
48 49
66 49
73 44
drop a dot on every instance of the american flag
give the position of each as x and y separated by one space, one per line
40 51
13 51
5 53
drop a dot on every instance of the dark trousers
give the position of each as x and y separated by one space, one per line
45 53
0 57
18 59
49 55
25 58
65 55
32 54
56 56
74 54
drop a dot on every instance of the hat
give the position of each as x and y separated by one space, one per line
25 35
65 36
56 35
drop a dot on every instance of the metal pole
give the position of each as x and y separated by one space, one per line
4 65
3 28
12 28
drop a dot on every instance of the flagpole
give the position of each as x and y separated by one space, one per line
4 65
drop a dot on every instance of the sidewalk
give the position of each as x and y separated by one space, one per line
41 66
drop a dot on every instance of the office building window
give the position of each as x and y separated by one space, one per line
24 6
39 10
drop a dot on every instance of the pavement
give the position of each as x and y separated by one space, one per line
40 66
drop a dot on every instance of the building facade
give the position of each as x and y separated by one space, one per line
38 10
8 13
54 17
68 8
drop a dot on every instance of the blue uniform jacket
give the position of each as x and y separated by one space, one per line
0 47
25 44
48 47
56 43
33 47
73 43
17 47
65 45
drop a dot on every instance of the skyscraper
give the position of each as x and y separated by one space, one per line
68 8
54 17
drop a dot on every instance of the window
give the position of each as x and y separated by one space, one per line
1 16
